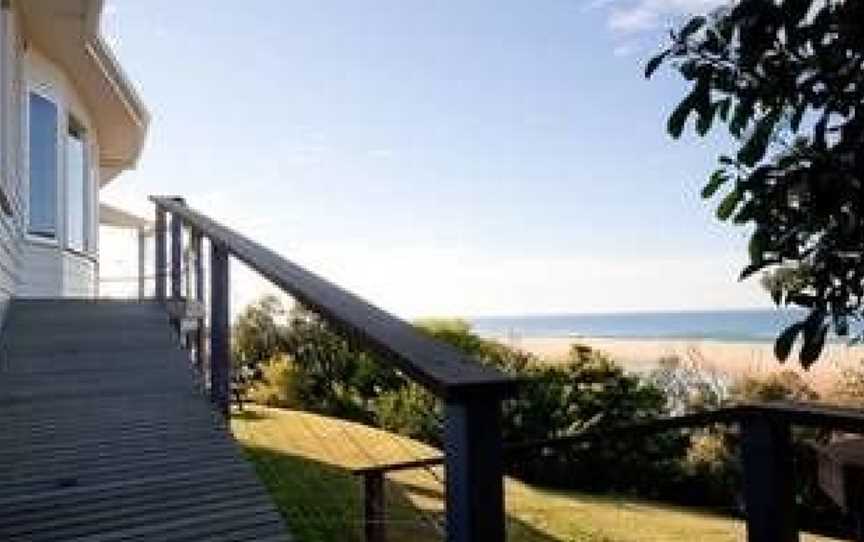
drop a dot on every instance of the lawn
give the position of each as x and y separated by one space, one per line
305 460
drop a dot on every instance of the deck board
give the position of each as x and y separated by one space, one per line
107 436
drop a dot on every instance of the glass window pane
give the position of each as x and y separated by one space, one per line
76 175
43 166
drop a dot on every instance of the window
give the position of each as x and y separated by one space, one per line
77 187
43 167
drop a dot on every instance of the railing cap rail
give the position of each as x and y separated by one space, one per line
444 370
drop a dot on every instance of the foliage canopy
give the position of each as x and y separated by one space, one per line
786 77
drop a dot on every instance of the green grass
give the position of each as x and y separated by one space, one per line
305 461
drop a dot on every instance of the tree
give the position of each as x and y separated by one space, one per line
787 79
337 376
258 335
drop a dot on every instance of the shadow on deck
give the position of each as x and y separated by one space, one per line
107 436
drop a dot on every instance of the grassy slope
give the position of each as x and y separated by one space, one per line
305 461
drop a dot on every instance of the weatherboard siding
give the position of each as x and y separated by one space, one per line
11 155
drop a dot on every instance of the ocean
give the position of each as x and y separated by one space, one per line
722 325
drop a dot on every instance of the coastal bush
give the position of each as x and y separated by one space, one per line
259 334
849 387
411 411
781 386
689 384
280 384
320 370
591 391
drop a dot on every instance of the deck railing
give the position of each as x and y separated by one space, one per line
471 392
474 454
766 458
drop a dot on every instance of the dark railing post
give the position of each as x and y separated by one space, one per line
176 256
220 332
474 470
373 506
159 260
769 483
198 258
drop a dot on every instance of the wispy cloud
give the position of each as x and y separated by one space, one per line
631 16
635 24
633 19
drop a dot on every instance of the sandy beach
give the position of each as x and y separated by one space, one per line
735 359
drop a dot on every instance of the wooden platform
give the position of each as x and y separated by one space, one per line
104 434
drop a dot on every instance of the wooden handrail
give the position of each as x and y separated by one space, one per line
471 392
444 370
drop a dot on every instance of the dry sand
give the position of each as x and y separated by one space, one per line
735 359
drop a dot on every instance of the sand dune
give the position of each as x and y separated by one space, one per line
734 359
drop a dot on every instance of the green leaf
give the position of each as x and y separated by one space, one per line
723 107
745 214
741 116
679 116
802 300
705 120
655 62
754 150
728 204
717 179
777 295
783 344
692 26
749 270
756 247
795 122
812 348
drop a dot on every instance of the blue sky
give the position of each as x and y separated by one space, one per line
436 157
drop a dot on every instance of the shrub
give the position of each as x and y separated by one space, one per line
689 385
411 411
783 386
280 385
849 387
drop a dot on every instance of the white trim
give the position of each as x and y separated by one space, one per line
40 241
49 93
89 183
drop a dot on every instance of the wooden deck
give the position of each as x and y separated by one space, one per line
104 434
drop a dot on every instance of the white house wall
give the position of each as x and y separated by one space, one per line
51 269
11 157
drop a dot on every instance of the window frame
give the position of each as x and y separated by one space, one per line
74 124
53 240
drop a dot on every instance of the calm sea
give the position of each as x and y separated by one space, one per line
725 325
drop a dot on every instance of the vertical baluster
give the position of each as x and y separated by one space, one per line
373 506
176 257
220 338
159 261
474 470
769 479
198 293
